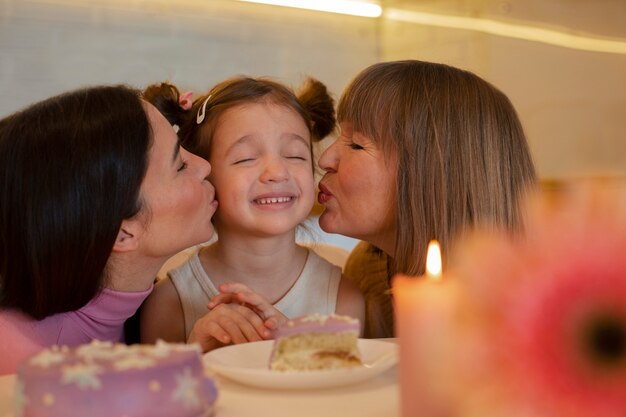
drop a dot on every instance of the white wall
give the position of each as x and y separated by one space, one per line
47 47
572 103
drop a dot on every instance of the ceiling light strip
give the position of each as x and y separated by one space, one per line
493 27
351 7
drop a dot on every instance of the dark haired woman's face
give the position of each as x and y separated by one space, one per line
358 189
176 192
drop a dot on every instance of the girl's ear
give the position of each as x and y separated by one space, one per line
128 236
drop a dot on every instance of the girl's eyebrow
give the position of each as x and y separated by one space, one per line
244 140
298 137
241 141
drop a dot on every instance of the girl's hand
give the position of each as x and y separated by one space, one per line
239 293
226 324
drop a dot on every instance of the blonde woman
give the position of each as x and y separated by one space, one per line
425 151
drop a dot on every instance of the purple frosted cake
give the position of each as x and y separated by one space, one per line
106 379
316 342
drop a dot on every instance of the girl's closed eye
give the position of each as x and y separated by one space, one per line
355 146
182 166
297 149
298 157
242 161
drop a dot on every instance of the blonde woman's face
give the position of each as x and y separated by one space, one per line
358 190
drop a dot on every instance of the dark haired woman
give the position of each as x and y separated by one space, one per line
96 194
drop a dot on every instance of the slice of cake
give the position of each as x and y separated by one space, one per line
316 342
103 379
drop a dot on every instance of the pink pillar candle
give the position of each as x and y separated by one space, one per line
423 309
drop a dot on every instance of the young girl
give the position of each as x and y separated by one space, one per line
257 135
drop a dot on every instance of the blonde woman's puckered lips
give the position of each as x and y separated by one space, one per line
324 194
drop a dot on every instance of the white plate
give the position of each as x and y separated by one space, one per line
248 364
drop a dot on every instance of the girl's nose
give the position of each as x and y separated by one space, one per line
275 170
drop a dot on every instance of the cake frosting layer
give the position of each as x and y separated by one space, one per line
103 379
318 323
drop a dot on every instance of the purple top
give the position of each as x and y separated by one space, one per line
102 318
317 323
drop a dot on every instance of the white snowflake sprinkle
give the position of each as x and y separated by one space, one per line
187 389
83 375
47 358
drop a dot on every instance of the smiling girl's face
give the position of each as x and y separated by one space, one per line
262 169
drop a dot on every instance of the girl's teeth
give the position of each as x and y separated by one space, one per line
274 200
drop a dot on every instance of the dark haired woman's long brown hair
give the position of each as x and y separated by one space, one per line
71 168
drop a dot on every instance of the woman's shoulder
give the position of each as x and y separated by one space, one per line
367 269
366 260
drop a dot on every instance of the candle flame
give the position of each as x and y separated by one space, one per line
433 260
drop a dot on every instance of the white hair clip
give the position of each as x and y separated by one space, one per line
202 111
176 128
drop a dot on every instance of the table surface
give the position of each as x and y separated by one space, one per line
378 396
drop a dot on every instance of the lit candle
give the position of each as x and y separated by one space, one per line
433 261
423 307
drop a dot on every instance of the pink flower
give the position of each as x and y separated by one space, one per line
541 321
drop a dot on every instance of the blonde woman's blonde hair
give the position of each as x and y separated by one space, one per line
462 156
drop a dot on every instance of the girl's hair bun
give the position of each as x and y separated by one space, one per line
318 102
166 98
